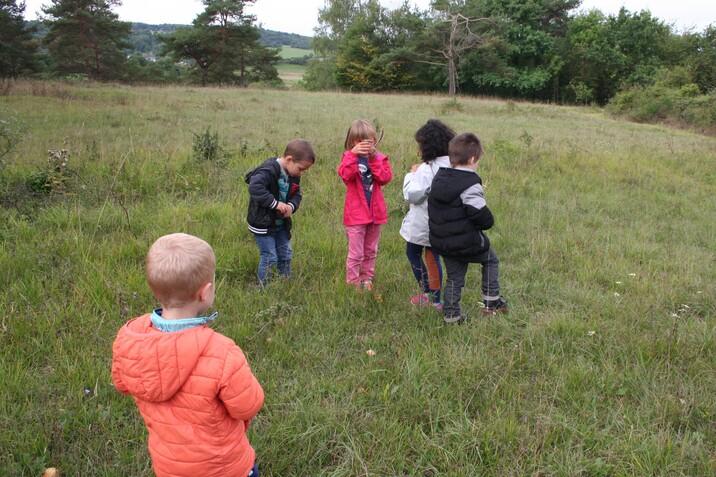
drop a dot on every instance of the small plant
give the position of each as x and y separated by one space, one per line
206 146
54 179
243 148
9 137
526 138
93 153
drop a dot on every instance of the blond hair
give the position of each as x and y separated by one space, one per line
360 130
178 265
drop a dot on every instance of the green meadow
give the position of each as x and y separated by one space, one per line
293 52
605 365
290 73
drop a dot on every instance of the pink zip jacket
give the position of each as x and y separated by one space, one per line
356 210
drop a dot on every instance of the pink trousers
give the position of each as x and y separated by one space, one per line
362 251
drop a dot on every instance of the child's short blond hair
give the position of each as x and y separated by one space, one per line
178 265
360 130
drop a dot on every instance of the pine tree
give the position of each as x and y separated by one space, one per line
223 44
86 37
17 47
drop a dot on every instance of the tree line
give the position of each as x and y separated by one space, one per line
85 38
536 50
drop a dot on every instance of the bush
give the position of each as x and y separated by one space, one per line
683 105
320 75
53 179
206 146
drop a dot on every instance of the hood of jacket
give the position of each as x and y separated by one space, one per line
449 183
154 365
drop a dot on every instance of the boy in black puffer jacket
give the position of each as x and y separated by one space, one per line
275 194
458 214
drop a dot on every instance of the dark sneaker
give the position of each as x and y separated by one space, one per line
454 319
493 307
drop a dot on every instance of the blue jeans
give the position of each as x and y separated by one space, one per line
274 251
430 275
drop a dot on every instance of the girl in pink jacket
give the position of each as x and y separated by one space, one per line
364 170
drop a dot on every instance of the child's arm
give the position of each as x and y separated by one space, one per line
117 378
348 168
294 197
239 390
473 199
258 188
380 167
416 185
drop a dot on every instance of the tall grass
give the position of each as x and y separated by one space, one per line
605 365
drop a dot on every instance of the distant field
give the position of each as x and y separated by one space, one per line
291 52
604 230
290 74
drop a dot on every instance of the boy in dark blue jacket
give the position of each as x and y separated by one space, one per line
458 214
275 194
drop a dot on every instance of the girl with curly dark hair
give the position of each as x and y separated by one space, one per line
433 139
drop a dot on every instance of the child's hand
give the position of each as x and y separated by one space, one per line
414 167
283 208
364 148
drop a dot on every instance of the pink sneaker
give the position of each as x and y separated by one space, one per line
420 300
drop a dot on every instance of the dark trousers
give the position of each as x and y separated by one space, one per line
428 272
456 269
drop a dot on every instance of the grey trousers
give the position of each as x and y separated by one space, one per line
457 268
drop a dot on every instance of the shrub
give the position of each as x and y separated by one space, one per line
657 103
206 146
320 75
55 177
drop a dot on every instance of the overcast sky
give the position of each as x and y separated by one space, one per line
299 16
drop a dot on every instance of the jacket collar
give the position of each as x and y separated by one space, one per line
170 326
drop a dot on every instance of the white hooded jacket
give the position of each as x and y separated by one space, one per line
416 187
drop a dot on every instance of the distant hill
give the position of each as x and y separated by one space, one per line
144 38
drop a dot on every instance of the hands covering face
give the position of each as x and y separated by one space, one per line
364 148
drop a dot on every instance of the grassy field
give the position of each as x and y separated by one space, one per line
290 74
605 365
292 52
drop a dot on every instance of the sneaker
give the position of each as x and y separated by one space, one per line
454 319
494 307
420 300
367 285
438 306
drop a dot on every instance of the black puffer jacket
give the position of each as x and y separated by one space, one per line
458 214
264 197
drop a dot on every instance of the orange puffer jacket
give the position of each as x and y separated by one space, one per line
196 394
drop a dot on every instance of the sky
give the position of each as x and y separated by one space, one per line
300 16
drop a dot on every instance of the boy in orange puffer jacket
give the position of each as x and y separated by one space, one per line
193 386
